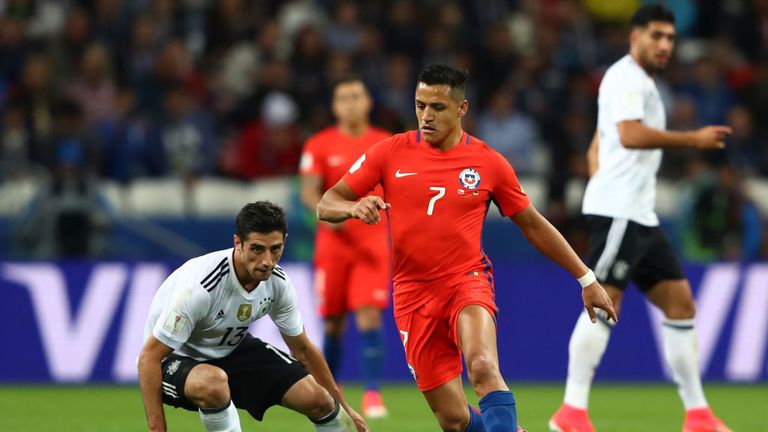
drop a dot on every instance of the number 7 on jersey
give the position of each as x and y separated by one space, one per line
440 193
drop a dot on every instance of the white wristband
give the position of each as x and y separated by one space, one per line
588 279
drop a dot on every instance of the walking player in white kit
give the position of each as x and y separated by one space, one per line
199 356
625 241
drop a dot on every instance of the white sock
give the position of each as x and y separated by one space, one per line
680 350
586 348
337 421
225 420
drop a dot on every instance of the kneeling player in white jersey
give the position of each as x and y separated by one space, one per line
626 243
199 356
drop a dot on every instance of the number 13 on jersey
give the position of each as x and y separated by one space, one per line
440 193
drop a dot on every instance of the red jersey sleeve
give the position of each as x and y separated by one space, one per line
368 169
312 158
508 195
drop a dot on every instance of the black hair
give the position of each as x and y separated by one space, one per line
347 79
443 74
652 12
262 217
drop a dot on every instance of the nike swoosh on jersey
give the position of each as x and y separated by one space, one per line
398 174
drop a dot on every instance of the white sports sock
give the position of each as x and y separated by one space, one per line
336 421
682 356
586 348
225 420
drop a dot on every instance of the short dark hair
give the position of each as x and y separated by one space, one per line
347 79
652 12
261 217
443 74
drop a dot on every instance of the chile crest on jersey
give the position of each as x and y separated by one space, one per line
469 178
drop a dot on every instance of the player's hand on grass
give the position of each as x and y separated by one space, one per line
712 137
367 209
594 296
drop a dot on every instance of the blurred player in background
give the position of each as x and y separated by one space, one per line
439 182
199 356
626 243
352 259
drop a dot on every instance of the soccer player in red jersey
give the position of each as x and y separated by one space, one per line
352 259
438 183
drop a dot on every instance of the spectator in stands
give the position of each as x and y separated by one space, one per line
269 145
309 56
15 142
183 143
684 116
173 67
13 50
512 132
229 22
403 29
71 150
345 33
93 88
397 93
65 50
67 218
745 151
709 92
137 55
125 139
110 23
723 223
37 96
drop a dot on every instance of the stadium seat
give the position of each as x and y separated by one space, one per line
157 197
279 190
16 194
757 190
667 198
574 194
113 194
215 197
536 188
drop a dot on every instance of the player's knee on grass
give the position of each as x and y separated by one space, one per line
483 373
207 386
453 420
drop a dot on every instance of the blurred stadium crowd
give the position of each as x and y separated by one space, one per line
119 90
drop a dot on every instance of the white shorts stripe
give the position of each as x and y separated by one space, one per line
612 244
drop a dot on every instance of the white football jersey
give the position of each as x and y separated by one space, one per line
624 185
202 311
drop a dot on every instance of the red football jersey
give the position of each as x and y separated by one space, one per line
329 153
439 203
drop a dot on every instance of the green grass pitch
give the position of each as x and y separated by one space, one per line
614 408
